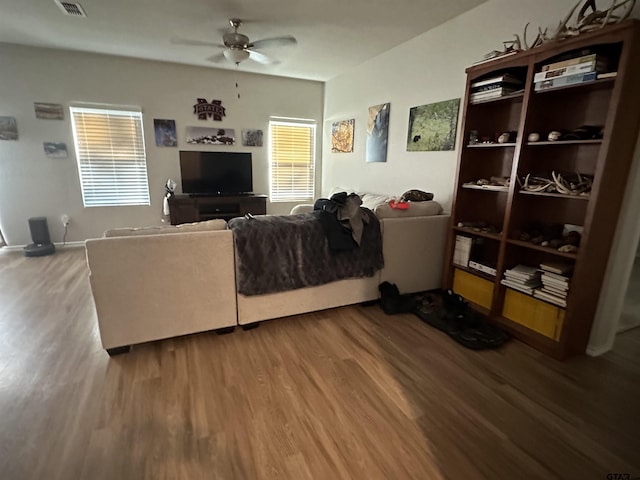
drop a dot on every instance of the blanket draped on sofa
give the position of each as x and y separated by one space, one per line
279 253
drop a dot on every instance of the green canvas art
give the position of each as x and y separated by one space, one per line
433 127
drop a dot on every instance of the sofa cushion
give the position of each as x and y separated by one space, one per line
207 226
302 208
416 209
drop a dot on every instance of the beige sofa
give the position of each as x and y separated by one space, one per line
150 284
155 283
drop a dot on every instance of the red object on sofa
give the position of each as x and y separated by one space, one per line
399 205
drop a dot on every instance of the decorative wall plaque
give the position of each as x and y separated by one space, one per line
204 109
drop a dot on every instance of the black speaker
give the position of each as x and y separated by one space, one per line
39 230
41 241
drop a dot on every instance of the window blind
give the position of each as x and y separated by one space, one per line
111 156
292 147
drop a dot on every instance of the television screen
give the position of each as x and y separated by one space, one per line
216 173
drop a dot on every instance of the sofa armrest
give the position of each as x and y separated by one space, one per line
302 208
414 249
160 286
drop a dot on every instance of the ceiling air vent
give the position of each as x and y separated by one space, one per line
71 9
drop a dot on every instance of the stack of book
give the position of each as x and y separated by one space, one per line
522 278
571 72
555 283
494 87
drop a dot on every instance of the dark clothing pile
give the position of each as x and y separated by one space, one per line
342 220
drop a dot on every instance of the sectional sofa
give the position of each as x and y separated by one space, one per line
161 282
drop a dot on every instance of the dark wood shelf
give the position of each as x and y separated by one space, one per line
491 145
475 272
555 195
597 141
539 248
477 233
608 102
491 188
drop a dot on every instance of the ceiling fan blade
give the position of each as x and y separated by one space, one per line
217 58
260 57
274 42
197 43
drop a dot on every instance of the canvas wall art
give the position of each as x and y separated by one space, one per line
252 138
433 127
378 133
165 131
8 128
342 136
49 111
55 149
211 136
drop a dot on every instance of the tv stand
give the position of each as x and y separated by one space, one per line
198 208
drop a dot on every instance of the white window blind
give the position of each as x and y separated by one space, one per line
293 146
111 156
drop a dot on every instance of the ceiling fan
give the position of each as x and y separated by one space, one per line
238 48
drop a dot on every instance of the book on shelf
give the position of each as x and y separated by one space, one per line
602 76
553 291
485 267
558 268
462 250
590 57
554 280
489 94
565 81
506 78
523 271
585 67
517 286
561 302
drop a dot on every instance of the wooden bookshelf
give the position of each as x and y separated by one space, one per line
613 104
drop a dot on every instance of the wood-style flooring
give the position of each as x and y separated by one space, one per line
349 393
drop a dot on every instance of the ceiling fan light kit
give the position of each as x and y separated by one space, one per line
235 55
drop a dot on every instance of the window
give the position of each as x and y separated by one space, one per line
293 146
112 161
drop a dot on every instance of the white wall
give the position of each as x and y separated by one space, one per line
33 185
427 69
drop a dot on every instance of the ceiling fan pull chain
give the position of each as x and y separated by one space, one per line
237 90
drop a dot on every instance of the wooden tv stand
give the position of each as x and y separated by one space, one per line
188 209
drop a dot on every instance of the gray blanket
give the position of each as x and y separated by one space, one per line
280 253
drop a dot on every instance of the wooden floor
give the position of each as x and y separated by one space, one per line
348 393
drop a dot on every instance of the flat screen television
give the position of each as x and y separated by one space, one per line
216 173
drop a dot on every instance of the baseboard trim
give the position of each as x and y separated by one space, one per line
12 248
596 351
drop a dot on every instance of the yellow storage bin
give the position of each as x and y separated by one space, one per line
473 288
537 315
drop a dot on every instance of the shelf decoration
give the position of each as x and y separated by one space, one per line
211 136
8 128
500 184
55 149
165 132
378 133
433 127
584 22
342 136
566 183
561 237
252 138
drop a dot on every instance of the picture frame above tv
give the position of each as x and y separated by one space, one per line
216 173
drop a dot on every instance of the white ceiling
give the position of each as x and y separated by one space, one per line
333 35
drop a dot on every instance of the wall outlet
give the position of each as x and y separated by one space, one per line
65 219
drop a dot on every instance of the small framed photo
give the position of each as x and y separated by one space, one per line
55 149
49 111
